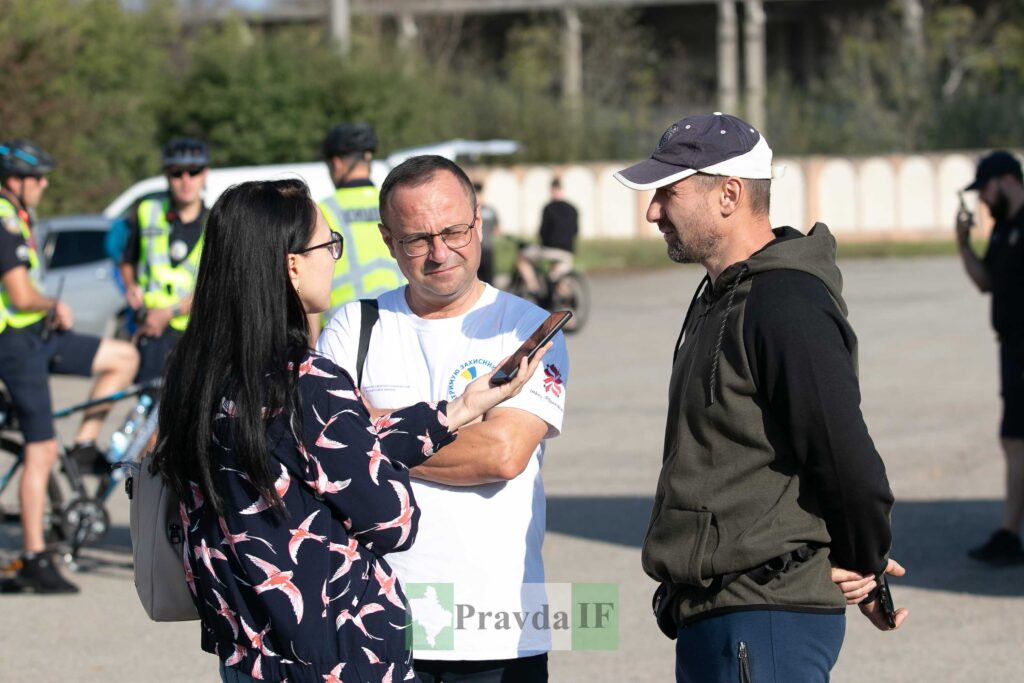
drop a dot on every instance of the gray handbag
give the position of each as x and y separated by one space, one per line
157 537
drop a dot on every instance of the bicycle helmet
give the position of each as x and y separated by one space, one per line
21 158
185 152
349 138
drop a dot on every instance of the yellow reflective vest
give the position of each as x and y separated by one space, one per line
366 269
163 285
9 315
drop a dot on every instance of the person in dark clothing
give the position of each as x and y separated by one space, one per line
293 490
1001 272
559 224
490 228
771 491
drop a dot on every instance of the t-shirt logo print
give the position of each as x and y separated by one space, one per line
553 380
466 373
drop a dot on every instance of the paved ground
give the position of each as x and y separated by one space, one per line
929 378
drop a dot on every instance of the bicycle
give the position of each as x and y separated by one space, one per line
569 292
75 518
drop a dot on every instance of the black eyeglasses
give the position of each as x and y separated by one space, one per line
336 245
193 171
454 237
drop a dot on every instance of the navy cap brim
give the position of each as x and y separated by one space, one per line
976 185
651 174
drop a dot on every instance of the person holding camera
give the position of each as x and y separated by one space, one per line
998 182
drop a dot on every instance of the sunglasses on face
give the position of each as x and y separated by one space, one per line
192 171
336 245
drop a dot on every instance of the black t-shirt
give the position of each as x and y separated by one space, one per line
13 248
186 233
558 225
1004 261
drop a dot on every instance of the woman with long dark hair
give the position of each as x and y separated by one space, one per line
292 492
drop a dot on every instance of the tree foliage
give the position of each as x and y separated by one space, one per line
878 94
102 87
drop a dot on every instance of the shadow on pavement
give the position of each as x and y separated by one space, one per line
931 538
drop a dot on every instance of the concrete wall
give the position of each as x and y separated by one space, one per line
900 197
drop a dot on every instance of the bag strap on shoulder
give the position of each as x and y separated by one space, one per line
369 314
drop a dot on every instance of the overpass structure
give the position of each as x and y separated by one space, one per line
728 39
732 39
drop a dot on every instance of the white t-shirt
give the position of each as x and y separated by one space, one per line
484 540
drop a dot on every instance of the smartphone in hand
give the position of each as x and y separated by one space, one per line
885 602
541 336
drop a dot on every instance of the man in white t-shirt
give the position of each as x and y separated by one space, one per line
482 497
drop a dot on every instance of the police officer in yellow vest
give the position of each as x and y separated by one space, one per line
35 341
161 256
367 269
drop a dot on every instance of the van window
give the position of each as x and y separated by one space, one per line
74 248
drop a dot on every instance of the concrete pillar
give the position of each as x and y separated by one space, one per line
913 58
728 57
572 75
754 53
341 25
407 31
913 25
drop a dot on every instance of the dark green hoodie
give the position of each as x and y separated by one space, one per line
766 450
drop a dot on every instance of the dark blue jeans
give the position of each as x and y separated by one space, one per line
764 646
229 674
523 670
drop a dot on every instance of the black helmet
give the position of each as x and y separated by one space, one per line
349 138
23 158
185 152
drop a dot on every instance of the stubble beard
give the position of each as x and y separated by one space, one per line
700 246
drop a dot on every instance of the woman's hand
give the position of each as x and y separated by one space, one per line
480 395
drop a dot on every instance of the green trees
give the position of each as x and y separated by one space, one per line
877 94
101 87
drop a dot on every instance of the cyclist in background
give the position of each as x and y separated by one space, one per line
559 226
367 269
161 254
491 228
36 340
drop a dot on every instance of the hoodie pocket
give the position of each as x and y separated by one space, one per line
676 546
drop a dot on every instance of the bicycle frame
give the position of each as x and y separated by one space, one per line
81 515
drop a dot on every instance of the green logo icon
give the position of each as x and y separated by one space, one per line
430 624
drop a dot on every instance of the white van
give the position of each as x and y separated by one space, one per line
75 262
313 173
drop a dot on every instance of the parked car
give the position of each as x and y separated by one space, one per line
76 267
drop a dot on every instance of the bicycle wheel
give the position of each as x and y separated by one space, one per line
572 293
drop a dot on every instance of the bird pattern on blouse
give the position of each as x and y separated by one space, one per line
272 588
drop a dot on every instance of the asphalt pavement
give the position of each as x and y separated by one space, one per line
929 385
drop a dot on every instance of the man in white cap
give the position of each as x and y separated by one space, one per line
769 477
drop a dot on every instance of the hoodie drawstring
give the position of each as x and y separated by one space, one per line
733 286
